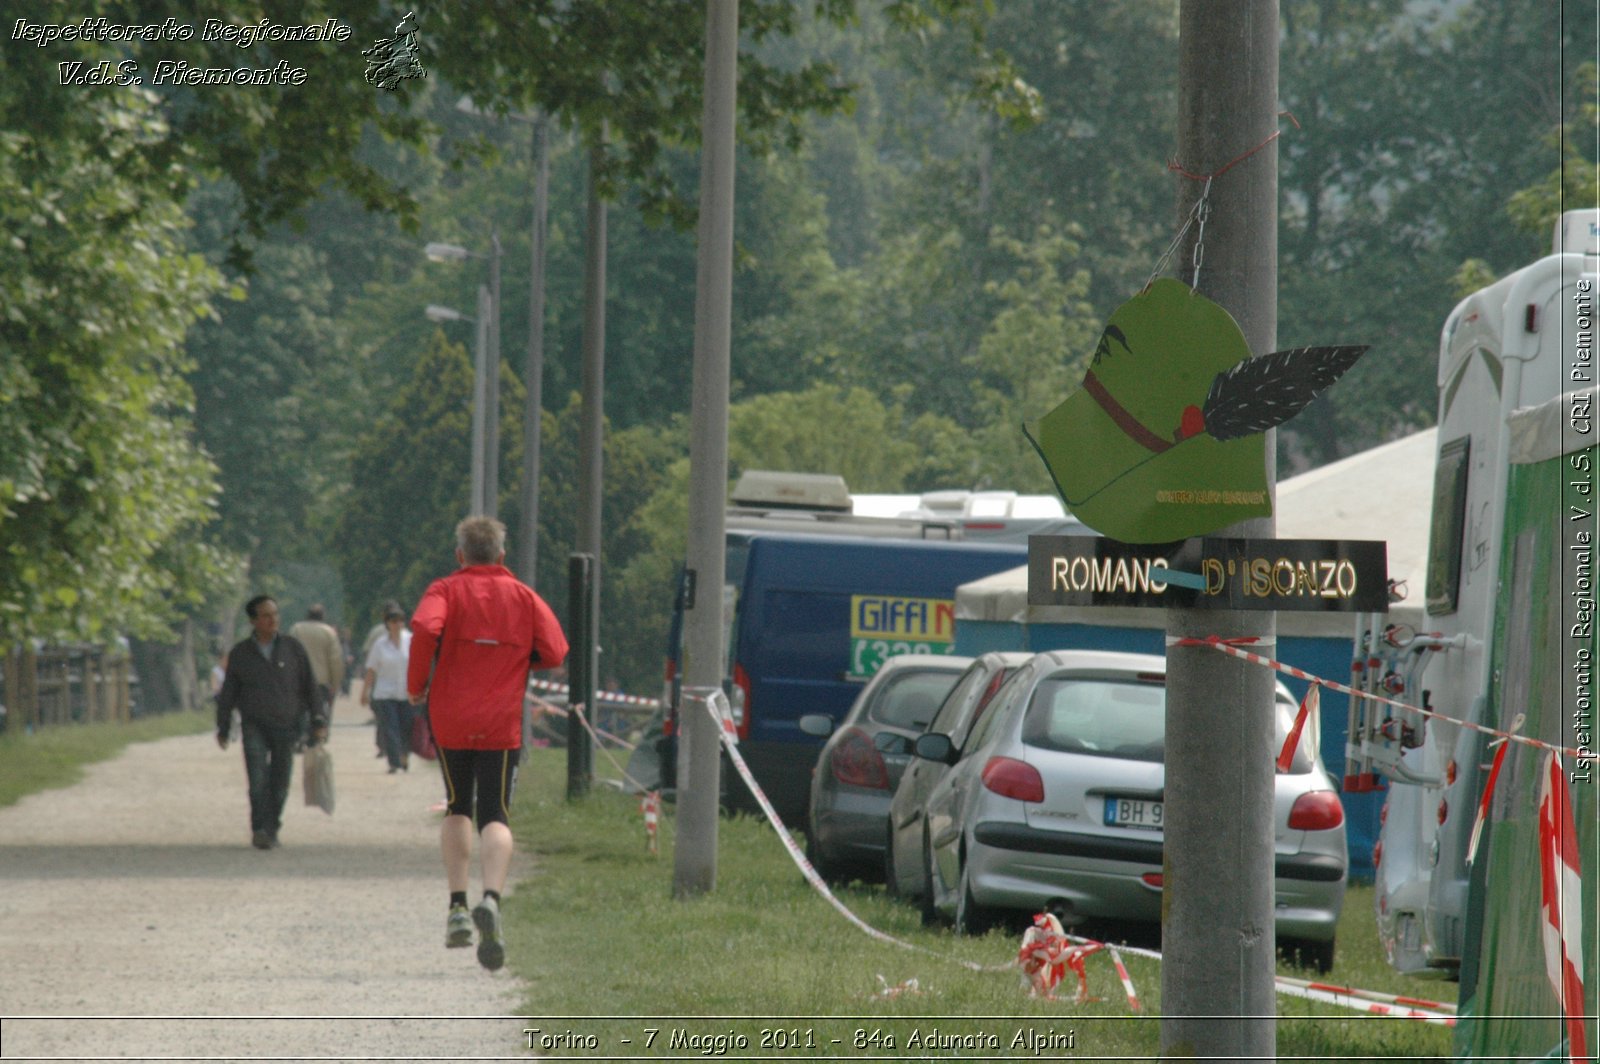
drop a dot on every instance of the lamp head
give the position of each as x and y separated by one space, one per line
446 253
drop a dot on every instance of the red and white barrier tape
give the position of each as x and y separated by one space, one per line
1337 996
600 696
596 733
650 806
1370 1001
1127 984
1072 957
594 736
1228 647
796 854
1370 995
1561 902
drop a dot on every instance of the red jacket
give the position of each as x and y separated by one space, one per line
489 629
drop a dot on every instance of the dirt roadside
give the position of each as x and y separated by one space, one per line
137 921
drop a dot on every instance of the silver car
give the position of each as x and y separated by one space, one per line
904 863
1056 800
860 765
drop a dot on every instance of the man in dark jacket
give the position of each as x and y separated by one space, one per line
270 682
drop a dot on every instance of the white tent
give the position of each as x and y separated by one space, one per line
1385 493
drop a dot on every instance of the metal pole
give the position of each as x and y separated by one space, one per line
533 371
491 432
580 674
480 370
699 757
1217 910
591 433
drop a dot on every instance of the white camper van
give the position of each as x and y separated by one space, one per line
1525 341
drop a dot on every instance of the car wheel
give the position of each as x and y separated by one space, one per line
828 870
930 911
891 882
971 918
1318 955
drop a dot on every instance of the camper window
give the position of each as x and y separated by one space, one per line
1448 531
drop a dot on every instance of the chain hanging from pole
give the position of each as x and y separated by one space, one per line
1197 214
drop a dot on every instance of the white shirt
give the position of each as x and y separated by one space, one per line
388 664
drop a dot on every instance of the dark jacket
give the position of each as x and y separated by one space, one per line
280 693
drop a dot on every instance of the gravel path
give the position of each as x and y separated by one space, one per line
137 921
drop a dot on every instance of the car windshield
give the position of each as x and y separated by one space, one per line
910 699
1121 718
1111 718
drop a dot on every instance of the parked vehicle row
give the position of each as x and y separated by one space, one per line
1037 782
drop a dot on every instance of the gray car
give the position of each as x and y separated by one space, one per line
904 862
860 765
1056 801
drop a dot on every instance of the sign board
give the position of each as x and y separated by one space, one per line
1164 440
882 626
1307 575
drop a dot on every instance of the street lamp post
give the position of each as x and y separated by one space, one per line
533 366
486 391
435 312
491 377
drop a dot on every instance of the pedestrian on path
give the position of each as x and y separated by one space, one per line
475 636
384 689
269 680
321 641
373 635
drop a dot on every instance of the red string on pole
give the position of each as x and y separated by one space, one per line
1177 167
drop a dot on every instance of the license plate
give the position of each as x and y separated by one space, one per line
1133 813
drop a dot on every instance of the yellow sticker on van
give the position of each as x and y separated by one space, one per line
892 617
882 626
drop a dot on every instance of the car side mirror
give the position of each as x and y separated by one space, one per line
818 724
936 747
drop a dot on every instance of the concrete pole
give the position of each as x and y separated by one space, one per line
591 432
699 757
491 428
480 371
1217 935
533 368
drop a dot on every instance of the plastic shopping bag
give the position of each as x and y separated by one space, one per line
317 775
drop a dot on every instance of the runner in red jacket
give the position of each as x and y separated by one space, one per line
474 637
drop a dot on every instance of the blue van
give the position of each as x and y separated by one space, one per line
814 617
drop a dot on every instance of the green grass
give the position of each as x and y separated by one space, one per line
54 757
596 933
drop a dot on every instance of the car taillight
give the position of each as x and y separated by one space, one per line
1011 778
1317 811
1152 879
856 761
741 701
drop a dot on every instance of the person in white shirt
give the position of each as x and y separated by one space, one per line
384 689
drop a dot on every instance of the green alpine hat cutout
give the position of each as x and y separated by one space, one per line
1163 440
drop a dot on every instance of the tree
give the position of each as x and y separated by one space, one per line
274 389
1384 206
1032 356
409 488
103 494
1575 182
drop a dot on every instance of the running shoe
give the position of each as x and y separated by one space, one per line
491 949
458 928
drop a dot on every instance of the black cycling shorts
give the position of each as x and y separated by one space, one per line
480 783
